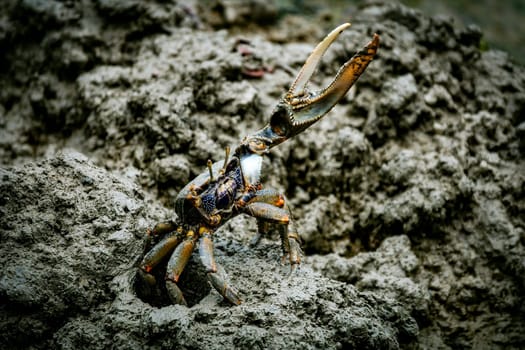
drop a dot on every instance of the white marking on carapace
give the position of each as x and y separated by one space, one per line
251 167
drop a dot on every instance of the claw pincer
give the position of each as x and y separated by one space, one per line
233 187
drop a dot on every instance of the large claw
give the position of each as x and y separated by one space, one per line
300 108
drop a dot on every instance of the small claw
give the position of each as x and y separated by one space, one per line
300 108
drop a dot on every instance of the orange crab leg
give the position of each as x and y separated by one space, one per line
180 257
176 265
268 196
160 250
218 281
267 213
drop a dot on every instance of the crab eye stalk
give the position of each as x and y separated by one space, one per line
300 108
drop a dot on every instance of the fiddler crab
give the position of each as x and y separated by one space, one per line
232 186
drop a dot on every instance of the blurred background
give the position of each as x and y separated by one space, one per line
502 21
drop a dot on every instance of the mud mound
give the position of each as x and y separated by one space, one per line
409 195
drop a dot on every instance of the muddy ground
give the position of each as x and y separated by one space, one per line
410 195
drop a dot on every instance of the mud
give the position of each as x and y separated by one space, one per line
409 195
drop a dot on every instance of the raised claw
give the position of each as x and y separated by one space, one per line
300 108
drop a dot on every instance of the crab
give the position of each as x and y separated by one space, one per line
232 186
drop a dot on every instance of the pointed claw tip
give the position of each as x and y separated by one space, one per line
372 46
343 26
312 61
375 39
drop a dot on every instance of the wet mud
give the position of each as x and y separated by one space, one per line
409 195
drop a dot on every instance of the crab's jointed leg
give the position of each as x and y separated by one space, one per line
180 257
163 228
270 209
268 212
175 293
176 265
160 250
206 252
218 280
216 274
268 196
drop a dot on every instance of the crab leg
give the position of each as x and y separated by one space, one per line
216 274
175 293
180 257
218 281
269 208
160 250
268 205
263 227
291 243
206 252
163 228
176 265
268 212
269 196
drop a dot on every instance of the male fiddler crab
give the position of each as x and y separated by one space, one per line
232 186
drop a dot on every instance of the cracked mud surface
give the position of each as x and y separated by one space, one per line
409 195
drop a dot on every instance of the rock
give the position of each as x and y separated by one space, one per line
70 250
409 194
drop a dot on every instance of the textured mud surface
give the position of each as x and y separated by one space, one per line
409 195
